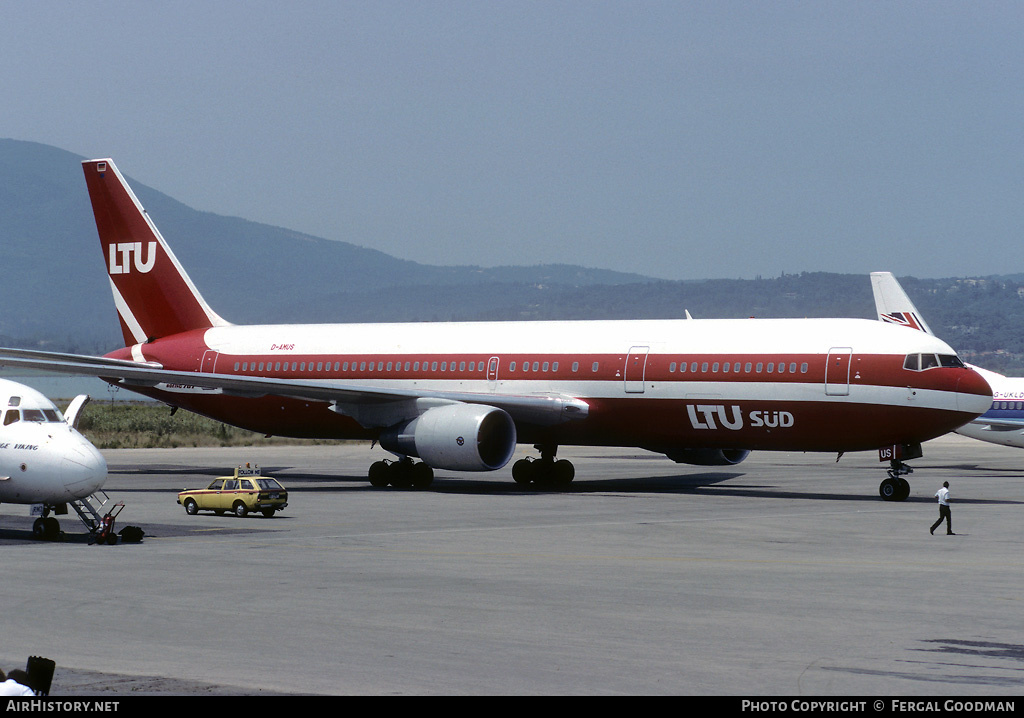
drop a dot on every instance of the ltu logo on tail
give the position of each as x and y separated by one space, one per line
120 257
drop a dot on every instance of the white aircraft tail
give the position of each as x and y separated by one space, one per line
893 305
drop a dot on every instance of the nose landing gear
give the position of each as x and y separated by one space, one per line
895 488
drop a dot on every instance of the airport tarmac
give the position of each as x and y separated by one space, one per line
784 575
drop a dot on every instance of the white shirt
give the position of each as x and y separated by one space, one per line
13 688
943 495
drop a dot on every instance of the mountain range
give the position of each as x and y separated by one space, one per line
55 294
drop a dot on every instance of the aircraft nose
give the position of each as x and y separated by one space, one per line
973 393
83 468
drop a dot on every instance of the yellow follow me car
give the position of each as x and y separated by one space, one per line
241 493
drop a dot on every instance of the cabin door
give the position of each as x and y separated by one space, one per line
837 371
636 365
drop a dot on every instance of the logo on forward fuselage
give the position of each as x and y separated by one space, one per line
718 416
123 255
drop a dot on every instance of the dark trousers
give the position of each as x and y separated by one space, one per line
944 514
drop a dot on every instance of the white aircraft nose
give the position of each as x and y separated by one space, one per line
83 468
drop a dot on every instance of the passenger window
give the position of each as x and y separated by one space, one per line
725 367
803 368
554 366
544 366
704 367
511 366
433 366
693 366
236 366
771 367
714 368
672 368
760 367
792 367
536 365
594 367
319 366
747 367
575 366
462 366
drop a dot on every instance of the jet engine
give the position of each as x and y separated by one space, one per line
708 457
460 437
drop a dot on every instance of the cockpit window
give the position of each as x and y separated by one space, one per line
920 362
33 415
11 416
14 401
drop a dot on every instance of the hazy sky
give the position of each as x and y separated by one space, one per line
674 139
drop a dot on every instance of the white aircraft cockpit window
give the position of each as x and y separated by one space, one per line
11 416
33 415
14 401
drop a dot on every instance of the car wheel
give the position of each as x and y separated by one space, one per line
240 510
268 513
191 507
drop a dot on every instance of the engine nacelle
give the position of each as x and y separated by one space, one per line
708 457
460 437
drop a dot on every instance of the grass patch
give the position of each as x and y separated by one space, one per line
150 425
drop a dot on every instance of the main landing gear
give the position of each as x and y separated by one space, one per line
402 474
895 488
545 471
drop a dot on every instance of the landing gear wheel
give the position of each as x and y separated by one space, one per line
404 474
46 528
894 489
379 474
888 489
422 476
522 471
543 472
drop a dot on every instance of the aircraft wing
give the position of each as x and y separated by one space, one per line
370 406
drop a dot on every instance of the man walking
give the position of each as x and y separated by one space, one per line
943 496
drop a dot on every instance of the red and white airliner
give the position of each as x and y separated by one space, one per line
460 396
